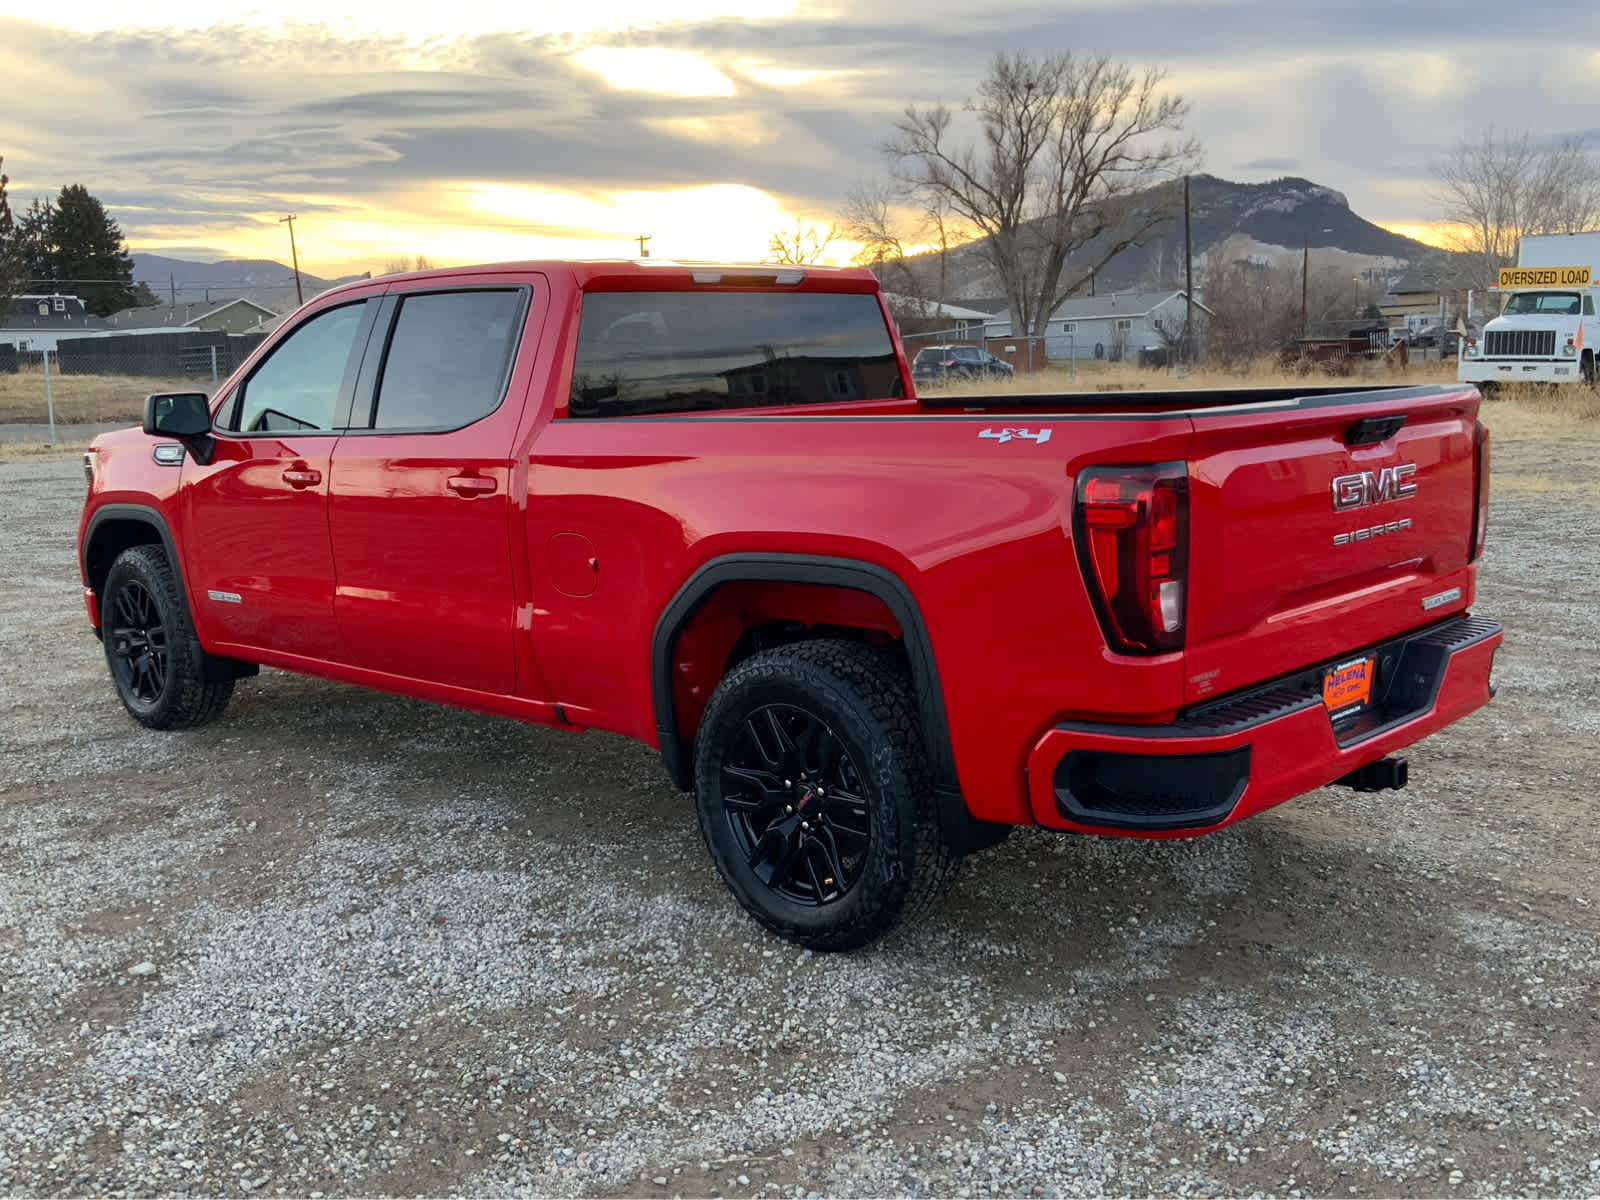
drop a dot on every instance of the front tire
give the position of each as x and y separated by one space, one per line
814 796
155 658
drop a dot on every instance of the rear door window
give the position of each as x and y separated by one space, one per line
641 353
449 359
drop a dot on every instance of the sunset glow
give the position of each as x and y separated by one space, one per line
473 132
1431 233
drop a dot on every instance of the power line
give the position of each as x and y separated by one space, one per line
183 283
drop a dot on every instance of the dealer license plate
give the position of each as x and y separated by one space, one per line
1347 688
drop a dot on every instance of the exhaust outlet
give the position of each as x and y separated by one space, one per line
1387 774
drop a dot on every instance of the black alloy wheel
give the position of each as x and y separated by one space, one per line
814 796
795 805
137 644
151 649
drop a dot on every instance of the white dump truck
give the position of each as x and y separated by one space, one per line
1547 332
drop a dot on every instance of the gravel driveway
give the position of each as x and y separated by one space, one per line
342 943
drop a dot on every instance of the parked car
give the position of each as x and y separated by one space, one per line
871 633
1436 337
942 364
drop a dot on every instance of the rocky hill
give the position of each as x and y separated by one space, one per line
1264 222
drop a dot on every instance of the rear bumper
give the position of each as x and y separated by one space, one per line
1228 760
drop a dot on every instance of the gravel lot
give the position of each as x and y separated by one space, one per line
342 943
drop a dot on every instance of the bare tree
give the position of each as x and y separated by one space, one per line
806 243
869 219
402 265
1257 306
909 251
1496 189
1065 142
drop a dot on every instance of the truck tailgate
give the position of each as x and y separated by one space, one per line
1314 535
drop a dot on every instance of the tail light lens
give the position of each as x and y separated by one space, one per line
1480 520
1131 526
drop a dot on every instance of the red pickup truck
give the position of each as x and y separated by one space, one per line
702 506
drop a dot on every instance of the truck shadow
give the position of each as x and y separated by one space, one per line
1288 888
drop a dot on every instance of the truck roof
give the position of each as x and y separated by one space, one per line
645 274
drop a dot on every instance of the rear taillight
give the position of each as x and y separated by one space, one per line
1480 520
1131 525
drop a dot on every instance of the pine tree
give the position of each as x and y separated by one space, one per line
36 247
90 257
12 280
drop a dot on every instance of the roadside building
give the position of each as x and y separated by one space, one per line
1413 302
33 324
1117 326
236 315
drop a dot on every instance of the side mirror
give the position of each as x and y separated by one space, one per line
185 416
177 414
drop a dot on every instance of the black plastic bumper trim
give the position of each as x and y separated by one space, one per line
1146 791
1150 791
1410 670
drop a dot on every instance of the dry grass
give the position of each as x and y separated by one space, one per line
13 450
1570 414
80 399
1118 377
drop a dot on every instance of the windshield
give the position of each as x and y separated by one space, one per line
1562 304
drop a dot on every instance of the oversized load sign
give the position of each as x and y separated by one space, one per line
1538 277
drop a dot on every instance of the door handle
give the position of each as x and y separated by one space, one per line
301 477
471 485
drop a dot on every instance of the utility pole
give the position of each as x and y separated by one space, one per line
1305 263
1188 280
644 251
299 296
172 287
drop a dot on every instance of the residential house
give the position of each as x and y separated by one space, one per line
1116 326
35 323
237 315
930 316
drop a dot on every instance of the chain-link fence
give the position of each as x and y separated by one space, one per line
79 385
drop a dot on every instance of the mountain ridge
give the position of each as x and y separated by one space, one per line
1275 221
263 280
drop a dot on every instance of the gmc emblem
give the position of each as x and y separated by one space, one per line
1373 487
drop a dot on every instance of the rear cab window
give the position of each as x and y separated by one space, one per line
448 360
645 353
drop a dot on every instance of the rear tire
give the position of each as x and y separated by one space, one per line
814 795
150 644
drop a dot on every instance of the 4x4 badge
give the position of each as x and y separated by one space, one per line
1005 435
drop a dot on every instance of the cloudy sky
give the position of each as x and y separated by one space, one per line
476 130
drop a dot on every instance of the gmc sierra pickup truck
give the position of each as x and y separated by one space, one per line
702 506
